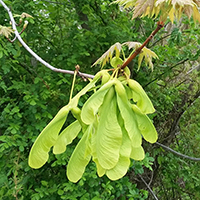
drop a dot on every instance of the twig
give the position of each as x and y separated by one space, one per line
138 50
177 153
33 53
148 187
179 63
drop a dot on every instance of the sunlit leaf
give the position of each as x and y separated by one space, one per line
66 137
172 8
92 105
109 134
120 169
139 96
128 116
145 126
107 56
78 161
6 31
147 54
137 153
39 153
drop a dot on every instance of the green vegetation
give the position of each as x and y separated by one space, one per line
67 33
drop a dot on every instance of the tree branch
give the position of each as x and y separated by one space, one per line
148 187
177 153
138 50
179 63
34 54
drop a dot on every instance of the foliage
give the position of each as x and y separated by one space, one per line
169 8
64 33
104 122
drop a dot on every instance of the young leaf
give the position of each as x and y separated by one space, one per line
171 8
120 169
128 115
108 54
139 95
137 153
78 161
92 105
109 135
25 15
6 31
39 153
115 61
147 54
145 125
66 137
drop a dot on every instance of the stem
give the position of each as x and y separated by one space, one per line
150 190
73 83
177 153
138 50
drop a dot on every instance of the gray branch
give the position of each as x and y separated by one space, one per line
33 53
150 190
177 153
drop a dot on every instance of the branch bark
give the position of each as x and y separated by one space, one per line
34 54
177 153
138 50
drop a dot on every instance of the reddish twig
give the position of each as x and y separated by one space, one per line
138 50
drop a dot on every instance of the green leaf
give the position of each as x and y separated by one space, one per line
109 135
139 95
128 115
92 105
123 164
137 153
120 169
108 54
116 61
66 137
39 152
145 125
78 161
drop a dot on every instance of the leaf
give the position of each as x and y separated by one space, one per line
78 161
92 105
39 153
66 137
145 125
128 115
25 15
108 54
140 97
6 31
132 45
137 153
100 170
171 8
120 169
115 62
147 54
109 135
123 164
